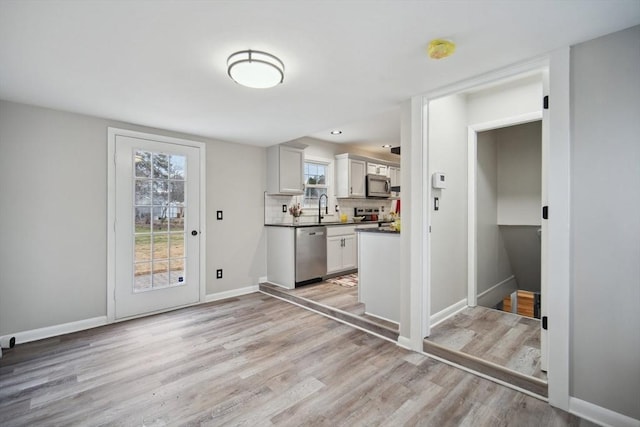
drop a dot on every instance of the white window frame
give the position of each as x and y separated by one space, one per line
312 210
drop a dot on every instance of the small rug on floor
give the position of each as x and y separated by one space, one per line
348 280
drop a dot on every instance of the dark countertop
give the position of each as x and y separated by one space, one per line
383 230
329 224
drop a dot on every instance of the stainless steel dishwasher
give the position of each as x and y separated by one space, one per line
311 254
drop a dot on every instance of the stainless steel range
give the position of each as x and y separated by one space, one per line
369 214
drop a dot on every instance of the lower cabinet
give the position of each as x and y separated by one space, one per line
342 253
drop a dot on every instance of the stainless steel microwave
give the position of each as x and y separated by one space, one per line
378 186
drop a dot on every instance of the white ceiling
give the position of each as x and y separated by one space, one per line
349 64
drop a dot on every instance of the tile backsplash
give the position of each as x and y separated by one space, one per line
273 208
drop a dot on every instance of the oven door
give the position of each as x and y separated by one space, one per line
378 186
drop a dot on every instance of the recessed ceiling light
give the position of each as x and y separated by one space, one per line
386 146
255 69
336 132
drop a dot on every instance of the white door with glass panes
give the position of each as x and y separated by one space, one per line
157 225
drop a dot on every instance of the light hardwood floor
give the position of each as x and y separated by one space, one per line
506 339
252 360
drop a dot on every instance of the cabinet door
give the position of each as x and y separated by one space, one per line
372 168
357 173
291 170
394 175
334 254
349 252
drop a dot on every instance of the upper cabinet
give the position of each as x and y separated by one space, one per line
377 169
350 176
394 174
285 169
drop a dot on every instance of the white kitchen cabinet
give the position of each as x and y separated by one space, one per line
394 175
377 169
350 176
281 256
378 283
285 169
342 252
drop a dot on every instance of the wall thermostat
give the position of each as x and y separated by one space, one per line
438 180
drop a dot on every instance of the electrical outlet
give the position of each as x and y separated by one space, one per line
284 208
219 273
337 208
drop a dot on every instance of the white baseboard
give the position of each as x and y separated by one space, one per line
447 312
600 415
381 318
55 330
494 294
81 325
232 293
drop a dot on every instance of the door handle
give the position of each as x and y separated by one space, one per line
194 233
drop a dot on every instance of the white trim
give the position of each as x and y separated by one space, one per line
497 285
448 312
600 415
558 250
519 119
414 273
112 132
262 279
472 226
232 293
382 318
56 330
472 190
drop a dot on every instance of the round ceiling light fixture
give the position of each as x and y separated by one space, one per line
336 132
386 146
255 69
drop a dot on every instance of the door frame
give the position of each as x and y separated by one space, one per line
112 133
472 205
416 281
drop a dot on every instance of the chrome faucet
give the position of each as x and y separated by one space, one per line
326 207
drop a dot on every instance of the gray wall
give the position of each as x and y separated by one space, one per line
492 261
519 174
605 221
448 153
53 215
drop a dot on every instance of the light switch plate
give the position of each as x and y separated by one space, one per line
219 215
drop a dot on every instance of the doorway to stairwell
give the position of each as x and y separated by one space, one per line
508 222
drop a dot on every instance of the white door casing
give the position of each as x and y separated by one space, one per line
156 232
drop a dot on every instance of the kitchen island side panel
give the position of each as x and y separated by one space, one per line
281 256
378 274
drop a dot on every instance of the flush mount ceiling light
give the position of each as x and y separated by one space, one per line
255 69
386 146
440 48
336 132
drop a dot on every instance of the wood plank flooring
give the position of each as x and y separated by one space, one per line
501 338
379 327
340 297
252 360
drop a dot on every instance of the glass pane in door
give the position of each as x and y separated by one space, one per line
159 213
